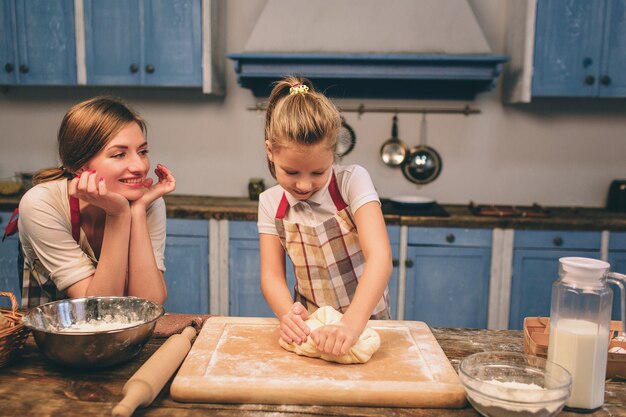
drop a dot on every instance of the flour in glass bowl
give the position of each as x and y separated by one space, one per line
107 324
495 398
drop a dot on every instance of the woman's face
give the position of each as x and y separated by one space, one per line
123 163
302 169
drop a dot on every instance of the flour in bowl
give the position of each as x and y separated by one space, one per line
514 399
99 326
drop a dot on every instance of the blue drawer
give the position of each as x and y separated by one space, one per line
617 241
394 234
241 229
188 227
559 239
449 236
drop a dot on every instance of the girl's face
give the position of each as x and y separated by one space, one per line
123 163
301 169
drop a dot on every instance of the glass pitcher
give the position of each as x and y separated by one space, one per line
580 319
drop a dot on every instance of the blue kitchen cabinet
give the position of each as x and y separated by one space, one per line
394 240
8 32
244 278
447 276
144 42
37 42
187 266
617 259
536 266
580 49
9 274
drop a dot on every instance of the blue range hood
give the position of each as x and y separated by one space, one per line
404 76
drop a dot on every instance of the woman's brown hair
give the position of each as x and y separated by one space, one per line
298 113
85 130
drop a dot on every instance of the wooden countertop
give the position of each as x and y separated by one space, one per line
240 208
35 386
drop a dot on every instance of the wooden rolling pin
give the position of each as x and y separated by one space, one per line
143 387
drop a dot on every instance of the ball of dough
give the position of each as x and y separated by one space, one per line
361 352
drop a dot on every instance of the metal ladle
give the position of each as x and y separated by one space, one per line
394 151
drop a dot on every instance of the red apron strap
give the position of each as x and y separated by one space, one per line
282 207
333 188
11 228
75 218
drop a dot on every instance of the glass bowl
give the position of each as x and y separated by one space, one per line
508 384
93 332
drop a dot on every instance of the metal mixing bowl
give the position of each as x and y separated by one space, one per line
92 349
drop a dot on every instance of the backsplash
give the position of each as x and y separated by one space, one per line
551 151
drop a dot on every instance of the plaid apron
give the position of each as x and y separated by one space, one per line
327 258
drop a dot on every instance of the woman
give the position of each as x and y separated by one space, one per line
96 225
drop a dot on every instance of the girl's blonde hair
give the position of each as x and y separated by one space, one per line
299 114
85 130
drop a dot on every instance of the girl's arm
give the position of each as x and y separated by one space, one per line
110 275
276 292
144 278
372 283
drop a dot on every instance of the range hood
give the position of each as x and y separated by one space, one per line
425 49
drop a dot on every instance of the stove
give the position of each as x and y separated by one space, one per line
426 210
535 210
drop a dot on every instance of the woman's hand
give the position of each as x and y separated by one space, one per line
87 187
293 329
165 185
336 339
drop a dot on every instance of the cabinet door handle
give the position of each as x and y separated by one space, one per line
395 262
24 68
558 241
134 68
605 80
590 80
8 67
408 263
149 68
450 238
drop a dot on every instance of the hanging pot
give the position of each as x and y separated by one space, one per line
346 139
394 151
423 164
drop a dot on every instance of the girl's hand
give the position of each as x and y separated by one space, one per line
336 339
87 187
165 185
293 329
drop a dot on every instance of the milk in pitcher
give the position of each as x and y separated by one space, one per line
581 347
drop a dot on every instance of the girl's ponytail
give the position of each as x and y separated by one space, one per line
298 113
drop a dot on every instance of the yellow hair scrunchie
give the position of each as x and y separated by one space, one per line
298 88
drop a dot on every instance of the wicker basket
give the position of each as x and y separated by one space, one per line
536 336
12 338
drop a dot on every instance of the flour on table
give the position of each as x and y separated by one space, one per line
361 352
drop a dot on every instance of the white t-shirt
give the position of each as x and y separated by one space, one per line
355 186
46 234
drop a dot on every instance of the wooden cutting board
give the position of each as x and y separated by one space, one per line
239 360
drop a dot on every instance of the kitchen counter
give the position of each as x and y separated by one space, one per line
34 386
240 208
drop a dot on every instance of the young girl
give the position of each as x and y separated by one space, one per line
96 225
326 217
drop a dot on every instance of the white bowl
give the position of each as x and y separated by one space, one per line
508 384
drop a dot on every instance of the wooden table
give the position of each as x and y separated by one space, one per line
35 387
